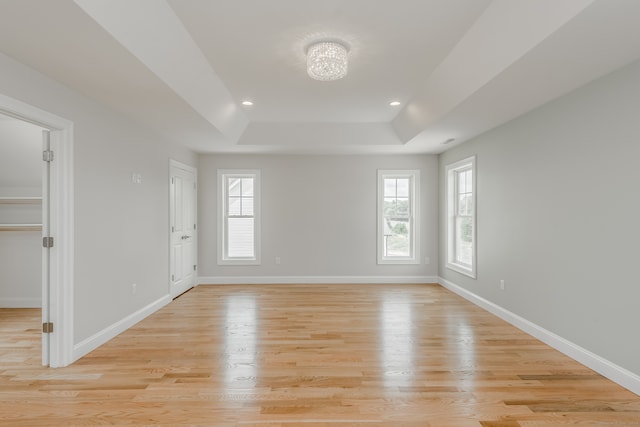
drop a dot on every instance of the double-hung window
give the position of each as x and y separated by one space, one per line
461 216
398 220
239 216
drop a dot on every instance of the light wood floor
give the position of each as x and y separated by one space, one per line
314 355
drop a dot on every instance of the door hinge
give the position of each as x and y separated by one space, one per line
172 180
47 156
194 267
173 228
47 327
47 242
195 187
194 226
173 278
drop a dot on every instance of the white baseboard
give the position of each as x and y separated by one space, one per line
615 373
274 280
86 346
20 303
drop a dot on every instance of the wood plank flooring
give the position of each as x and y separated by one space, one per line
312 356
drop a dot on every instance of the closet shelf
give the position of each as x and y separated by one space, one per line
20 200
20 227
16 200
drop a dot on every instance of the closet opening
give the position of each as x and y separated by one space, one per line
42 219
24 276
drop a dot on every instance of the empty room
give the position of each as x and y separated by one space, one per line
334 213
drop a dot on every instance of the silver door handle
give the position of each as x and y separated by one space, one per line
186 237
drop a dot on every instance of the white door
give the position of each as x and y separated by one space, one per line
182 217
46 251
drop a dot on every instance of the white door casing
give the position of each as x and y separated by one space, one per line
182 228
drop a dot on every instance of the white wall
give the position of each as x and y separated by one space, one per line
20 251
558 205
318 216
121 229
20 269
20 158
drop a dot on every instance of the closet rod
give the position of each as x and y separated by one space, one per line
20 200
20 227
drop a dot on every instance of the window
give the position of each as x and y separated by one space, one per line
398 236
461 217
239 217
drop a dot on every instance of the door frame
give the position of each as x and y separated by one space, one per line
61 227
174 164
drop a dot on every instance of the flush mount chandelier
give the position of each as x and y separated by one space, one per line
327 61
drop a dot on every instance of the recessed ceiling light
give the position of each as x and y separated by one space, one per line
247 103
394 103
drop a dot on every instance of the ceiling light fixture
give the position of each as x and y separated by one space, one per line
327 61
247 103
394 103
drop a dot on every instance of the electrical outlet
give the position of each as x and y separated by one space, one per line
134 288
277 260
427 260
502 285
136 178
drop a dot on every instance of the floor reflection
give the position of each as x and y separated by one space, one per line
240 339
465 344
397 339
461 346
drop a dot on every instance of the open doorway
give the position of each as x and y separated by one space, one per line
56 236
22 267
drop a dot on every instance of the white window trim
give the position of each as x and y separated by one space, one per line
222 259
414 191
451 169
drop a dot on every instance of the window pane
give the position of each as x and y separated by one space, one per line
390 207
233 187
403 187
402 207
247 206
240 237
465 204
397 240
247 186
464 240
462 182
234 206
469 180
389 187
461 205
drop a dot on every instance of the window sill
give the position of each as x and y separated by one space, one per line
397 261
462 270
238 262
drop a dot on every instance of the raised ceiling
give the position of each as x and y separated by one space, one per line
459 67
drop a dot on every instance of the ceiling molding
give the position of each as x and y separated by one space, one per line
180 68
167 49
325 135
504 33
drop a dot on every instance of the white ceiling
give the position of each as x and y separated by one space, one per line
257 48
459 67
